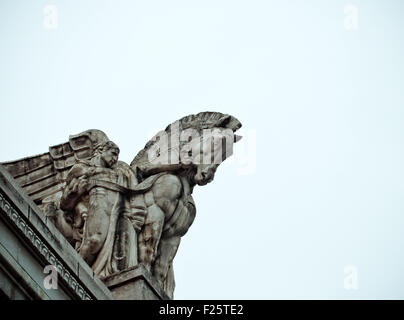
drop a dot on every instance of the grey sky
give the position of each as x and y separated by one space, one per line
317 182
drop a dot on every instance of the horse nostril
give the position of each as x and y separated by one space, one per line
203 174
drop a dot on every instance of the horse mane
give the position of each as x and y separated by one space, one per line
207 120
200 121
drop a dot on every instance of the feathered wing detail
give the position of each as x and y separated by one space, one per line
43 176
144 166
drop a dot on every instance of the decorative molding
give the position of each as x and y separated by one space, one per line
19 222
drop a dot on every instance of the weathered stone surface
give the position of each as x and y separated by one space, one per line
136 283
120 217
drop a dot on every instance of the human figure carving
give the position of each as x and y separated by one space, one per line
98 206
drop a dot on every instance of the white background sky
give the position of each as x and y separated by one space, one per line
321 186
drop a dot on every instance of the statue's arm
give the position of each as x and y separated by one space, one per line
138 211
137 205
76 186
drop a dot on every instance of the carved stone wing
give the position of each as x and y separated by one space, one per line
43 176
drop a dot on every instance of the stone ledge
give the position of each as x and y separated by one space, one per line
136 283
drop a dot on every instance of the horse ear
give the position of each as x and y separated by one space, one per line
223 121
237 138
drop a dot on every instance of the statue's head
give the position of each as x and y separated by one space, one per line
107 154
194 146
216 145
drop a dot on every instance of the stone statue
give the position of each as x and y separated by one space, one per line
118 216
100 211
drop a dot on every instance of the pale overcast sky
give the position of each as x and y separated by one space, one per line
315 186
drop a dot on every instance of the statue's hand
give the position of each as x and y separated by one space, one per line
138 217
96 170
73 192
138 211
82 185
78 186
